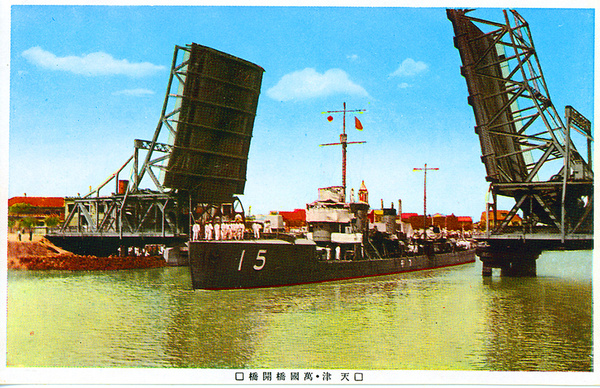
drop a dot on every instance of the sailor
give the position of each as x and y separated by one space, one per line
195 231
256 227
223 231
217 229
239 230
268 226
208 231
227 228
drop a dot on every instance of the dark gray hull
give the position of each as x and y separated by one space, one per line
219 265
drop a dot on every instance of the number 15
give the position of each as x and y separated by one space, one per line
259 258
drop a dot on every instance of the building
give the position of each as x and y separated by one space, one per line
500 217
294 219
465 222
448 222
39 209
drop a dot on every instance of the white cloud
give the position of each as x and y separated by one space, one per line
410 67
404 85
352 57
308 83
133 92
92 64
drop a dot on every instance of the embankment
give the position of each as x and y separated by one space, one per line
43 255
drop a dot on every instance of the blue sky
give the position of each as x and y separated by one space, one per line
85 81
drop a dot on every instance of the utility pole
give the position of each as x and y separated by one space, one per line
343 141
425 192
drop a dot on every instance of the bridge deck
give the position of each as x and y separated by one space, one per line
541 241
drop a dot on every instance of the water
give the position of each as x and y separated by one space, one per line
443 319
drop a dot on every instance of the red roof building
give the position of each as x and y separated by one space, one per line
42 202
39 208
294 219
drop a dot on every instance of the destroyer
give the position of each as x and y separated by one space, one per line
339 245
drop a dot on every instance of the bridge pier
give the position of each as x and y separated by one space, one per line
521 268
516 254
514 258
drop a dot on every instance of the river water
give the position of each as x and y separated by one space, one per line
442 319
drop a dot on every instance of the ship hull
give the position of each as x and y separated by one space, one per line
216 265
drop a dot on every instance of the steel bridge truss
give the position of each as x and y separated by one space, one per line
140 214
159 212
528 152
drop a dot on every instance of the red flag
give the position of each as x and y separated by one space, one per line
329 118
358 124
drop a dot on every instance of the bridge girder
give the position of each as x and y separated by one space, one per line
527 150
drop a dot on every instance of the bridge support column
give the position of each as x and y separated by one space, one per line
520 268
515 259
486 271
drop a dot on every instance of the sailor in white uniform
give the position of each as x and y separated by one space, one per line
196 231
256 227
208 231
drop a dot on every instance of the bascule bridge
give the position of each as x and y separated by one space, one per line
528 150
196 161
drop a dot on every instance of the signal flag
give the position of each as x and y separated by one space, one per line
358 124
329 118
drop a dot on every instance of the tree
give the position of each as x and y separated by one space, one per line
51 221
20 208
27 222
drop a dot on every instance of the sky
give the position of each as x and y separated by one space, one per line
85 81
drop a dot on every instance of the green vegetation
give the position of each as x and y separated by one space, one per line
51 221
21 208
27 222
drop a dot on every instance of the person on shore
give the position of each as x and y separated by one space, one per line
19 234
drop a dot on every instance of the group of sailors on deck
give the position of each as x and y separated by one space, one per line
227 230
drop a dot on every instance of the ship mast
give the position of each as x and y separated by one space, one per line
343 141
425 193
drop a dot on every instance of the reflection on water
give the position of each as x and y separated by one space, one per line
445 319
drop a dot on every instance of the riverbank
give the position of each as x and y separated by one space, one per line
41 254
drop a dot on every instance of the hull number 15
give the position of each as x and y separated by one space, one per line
260 258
